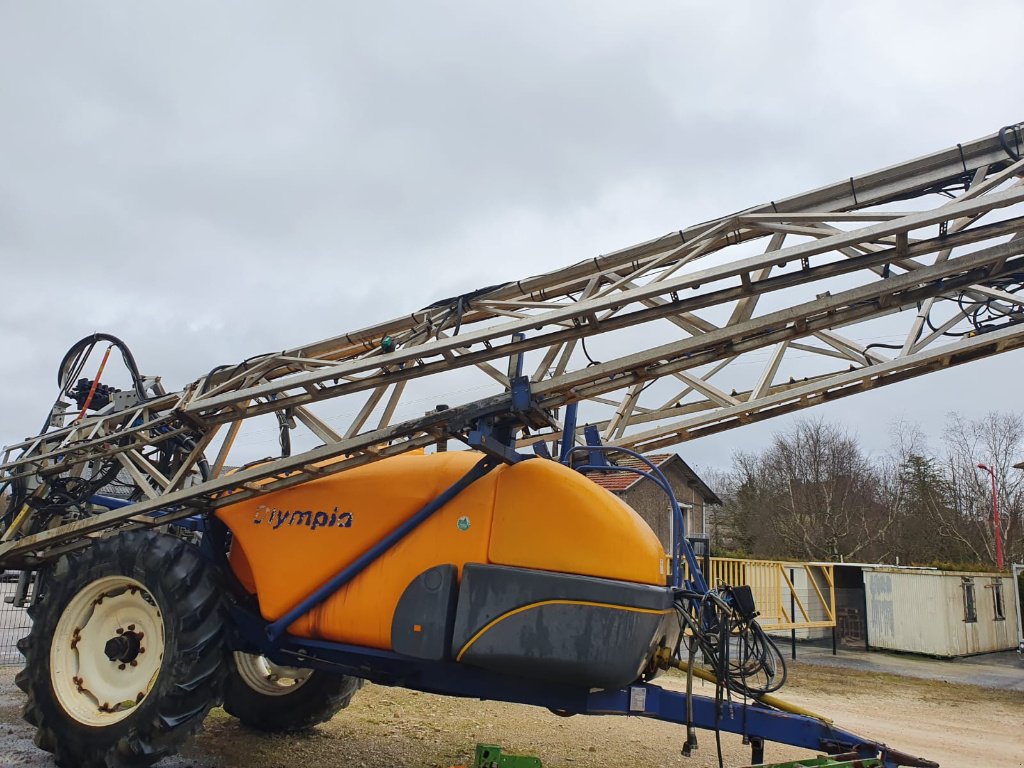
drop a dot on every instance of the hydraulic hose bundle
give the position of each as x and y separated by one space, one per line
722 624
73 364
74 493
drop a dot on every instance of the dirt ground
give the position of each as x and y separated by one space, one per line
959 726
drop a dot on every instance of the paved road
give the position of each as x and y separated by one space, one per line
1004 671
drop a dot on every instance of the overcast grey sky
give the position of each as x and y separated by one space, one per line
214 180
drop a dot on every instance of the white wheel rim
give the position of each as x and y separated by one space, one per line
266 677
115 616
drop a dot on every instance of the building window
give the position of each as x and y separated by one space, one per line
970 607
997 600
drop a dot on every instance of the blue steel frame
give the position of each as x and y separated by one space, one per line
255 635
680 546
753 720
276 629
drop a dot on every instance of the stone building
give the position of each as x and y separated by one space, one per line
650 501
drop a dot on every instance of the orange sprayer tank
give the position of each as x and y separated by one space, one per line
535 515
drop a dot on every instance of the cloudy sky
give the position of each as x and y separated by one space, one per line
214 180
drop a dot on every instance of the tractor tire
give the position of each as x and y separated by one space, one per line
278 699
127 652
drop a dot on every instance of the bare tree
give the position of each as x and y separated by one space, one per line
996 440
812 494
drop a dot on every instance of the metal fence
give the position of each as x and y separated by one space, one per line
788 595
14 622
1018 574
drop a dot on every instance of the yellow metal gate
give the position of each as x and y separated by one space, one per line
789 595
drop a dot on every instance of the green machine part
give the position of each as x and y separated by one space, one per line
490 756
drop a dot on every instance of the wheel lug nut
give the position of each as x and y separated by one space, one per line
142 650
131 627
134 663
120 631
141 635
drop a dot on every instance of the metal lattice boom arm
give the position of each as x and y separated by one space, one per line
758 313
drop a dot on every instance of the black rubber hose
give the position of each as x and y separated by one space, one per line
201 464
284 437
1013 152
73 357
234 368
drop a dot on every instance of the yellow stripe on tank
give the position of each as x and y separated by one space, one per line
521 609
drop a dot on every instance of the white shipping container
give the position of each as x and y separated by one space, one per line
939 613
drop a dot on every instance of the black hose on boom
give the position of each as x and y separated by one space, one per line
1018 140
73 361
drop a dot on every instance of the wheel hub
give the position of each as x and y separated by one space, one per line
107 650
268 678
125 646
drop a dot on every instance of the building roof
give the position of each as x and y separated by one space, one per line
925 570
617 482
851 564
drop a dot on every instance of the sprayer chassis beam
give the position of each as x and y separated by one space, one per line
638 700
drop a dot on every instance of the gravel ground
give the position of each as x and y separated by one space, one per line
958 725
1003 670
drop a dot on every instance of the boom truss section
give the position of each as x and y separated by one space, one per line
872 280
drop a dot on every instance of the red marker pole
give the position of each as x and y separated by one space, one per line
995 516
95 383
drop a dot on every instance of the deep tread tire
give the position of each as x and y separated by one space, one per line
320 697
191 675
